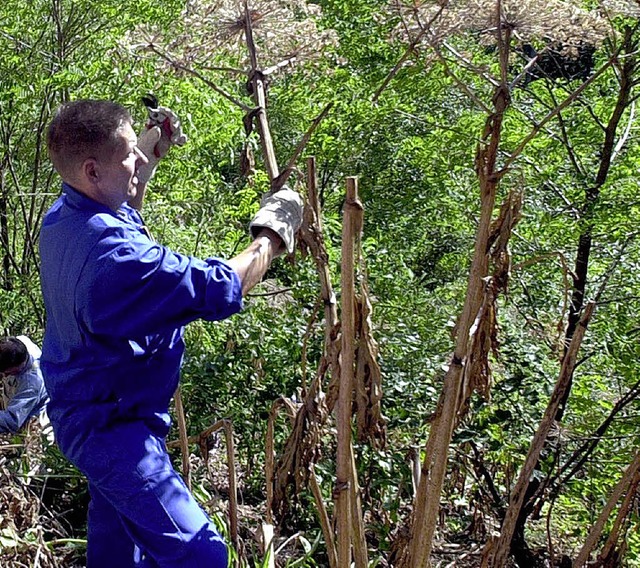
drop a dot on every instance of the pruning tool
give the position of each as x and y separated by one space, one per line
164 118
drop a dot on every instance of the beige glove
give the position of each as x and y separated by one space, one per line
281 212
168 120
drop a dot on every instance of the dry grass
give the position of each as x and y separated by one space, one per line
31 535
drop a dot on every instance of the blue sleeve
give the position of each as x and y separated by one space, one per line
28 400
130 285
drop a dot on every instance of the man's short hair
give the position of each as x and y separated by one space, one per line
13 353
84 129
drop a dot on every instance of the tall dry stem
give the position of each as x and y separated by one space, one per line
503 545
628 484
427 503
342 491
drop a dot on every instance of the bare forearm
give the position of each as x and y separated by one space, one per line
252 263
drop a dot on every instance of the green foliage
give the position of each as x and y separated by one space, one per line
412 148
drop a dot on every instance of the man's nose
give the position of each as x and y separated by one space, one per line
142 158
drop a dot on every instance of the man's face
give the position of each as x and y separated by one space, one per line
12 371
118 181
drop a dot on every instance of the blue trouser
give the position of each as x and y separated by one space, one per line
141 513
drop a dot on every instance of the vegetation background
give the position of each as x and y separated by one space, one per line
413 89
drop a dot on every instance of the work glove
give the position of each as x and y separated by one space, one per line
281 212
170 124
162 131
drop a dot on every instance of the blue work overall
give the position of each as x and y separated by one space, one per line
116 303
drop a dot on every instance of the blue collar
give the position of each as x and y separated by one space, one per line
78 200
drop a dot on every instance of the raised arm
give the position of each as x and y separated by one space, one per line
162 131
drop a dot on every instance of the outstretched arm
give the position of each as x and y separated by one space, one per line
273 229
252 263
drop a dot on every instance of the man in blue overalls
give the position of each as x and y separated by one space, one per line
116 303
23 386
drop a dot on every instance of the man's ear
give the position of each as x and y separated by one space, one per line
90 170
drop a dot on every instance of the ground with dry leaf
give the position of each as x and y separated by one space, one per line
43 511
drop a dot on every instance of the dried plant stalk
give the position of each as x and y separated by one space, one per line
259 96
300 449
450 403
201 440
503 546
611 547
325 523
182 432
342 493
233 483
624 485
270 451
371 425
483 334
267 528
360 554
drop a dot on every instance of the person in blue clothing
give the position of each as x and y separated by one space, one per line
116 306
23 386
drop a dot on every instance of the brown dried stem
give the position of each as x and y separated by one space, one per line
259 97
503 546
621 487
182 431
450 403
201 440
342 492
282 178
300 448
325 523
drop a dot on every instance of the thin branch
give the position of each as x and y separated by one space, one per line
616 262
470 66
182 431
405 56
554 187
282 178
618 491
439 126
565 140
461 84
524 72
582 453
271 293
151 47
276 67
570 99
625 134
516 499
231 70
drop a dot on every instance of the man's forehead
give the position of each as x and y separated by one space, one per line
126 128
127 132
13 371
